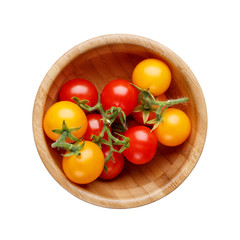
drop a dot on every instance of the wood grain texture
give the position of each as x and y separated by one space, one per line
101 60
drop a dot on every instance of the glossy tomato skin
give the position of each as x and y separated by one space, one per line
153 74
95 126
68 111
139 117
85 168
174 129
81 88
114 168
143 145
119 93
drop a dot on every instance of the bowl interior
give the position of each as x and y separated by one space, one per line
136 185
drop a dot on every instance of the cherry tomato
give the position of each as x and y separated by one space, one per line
68 111
85 168
114 168
119 93
153 74
95 126
80 88
143 145
138 116
174 129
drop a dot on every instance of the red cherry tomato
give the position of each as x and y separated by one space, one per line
80 88
119 93
114 168
143 145
95 126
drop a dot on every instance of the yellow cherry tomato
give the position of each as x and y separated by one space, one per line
153 74
174 129
85 168
68 111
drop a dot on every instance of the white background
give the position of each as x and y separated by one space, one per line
34 34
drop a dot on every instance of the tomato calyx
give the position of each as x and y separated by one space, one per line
72 149
66 132
61 142
148 103
108 117
145 108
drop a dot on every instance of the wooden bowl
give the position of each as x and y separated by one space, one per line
101 60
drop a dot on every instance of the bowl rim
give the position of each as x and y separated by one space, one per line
39 136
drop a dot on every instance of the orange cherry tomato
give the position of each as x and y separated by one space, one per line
68 111
85 168
174 129
153 74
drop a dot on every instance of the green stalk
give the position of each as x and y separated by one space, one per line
148 102
167 103
108 117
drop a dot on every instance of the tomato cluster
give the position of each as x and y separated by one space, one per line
127 120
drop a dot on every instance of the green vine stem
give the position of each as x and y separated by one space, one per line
149 103
61 142
108 118
65 133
